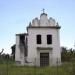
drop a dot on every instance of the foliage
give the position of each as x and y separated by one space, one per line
67 54
9 68
13 51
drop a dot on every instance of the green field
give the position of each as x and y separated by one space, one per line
11 69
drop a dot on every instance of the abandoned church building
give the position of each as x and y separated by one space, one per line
40 46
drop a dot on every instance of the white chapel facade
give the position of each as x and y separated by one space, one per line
40 46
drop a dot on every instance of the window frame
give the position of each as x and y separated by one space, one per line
38 39
49 39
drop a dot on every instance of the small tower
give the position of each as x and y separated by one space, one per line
44 41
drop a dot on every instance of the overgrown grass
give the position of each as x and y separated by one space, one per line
10 69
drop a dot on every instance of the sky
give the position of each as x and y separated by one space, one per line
15 16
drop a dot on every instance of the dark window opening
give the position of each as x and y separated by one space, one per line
22 38
38 39
49 39
26 48
23 44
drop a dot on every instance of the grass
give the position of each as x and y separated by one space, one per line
11 69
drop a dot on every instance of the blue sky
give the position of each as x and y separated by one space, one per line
15 16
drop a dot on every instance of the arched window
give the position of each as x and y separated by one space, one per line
49 39
38 39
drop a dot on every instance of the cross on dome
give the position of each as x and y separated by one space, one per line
43 10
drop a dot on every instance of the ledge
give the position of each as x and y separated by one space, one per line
53 27
44 48
21 34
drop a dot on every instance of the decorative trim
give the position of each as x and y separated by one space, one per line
44 48
54 27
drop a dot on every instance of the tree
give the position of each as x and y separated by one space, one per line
13 51
64 54
67 54
1 51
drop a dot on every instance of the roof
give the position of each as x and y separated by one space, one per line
43 14
21 34
53 27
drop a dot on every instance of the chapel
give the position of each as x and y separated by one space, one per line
40 46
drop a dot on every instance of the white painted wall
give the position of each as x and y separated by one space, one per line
32 44
17 52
